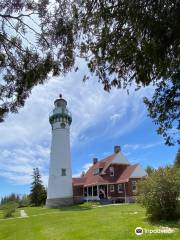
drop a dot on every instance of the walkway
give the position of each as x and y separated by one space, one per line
23 214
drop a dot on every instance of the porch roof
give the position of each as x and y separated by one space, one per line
78 181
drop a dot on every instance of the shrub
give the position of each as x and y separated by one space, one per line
9 209
160 194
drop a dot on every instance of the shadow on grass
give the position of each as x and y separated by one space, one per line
171 224
163 223
78 207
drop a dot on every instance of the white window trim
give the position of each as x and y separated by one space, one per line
120 191
111 190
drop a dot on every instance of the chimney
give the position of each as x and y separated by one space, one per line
95 160
117 149
83 173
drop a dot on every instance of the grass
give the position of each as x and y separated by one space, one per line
83 222
1 214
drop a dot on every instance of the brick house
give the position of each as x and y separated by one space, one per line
112 178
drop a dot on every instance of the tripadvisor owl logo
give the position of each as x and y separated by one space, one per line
138 231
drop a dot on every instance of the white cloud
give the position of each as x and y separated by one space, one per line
141 146
17 165
25 137
115 117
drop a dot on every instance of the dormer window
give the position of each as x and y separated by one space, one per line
111 170
96 171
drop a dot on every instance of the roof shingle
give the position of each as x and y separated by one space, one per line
90 179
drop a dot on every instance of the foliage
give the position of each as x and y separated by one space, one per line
177 160
24 201
122 41
136 41
11 198
24 62
38 191
149 170
20 200
160 193
9 209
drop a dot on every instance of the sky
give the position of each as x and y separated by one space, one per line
100 121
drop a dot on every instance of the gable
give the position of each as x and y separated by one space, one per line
138 172
120 159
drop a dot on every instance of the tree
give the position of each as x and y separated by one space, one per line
11 198
177 160
150 170
38 191
122 41
22 63
160 193
24 201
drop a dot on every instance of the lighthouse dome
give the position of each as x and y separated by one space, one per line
60 113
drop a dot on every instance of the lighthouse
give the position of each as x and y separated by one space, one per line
59 191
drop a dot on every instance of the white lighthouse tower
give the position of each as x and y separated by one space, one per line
60 177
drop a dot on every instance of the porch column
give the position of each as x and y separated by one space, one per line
98 191
87 194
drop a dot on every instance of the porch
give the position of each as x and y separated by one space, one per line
104 191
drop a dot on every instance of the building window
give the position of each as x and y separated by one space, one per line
63 172
111 188
120 188
94 190
111 170
134 186
63 125
96 171
89 191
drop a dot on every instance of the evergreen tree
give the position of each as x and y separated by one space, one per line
38 191
11 198
149 170
177 160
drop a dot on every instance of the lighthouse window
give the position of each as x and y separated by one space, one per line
63 125
63 171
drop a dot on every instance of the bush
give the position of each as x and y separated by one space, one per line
160 194
9 209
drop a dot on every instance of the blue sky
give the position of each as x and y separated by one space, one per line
100 121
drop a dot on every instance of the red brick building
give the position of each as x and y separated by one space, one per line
112 178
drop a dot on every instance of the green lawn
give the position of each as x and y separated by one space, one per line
83 222
1 214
